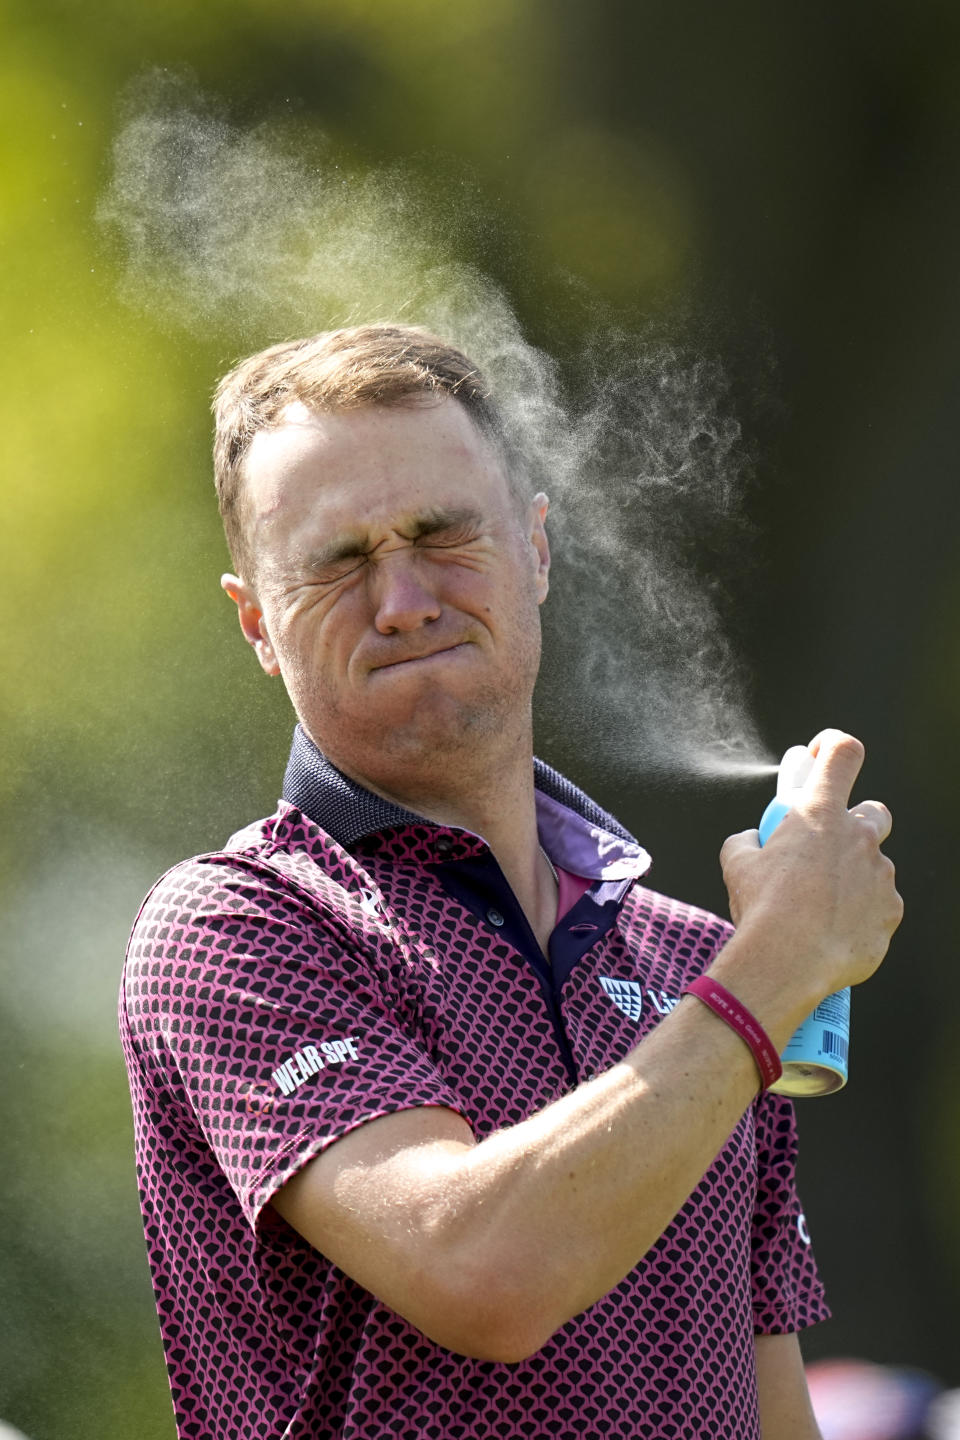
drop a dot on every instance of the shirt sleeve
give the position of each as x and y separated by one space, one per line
787 1290
270 1028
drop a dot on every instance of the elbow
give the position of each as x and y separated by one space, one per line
487 1316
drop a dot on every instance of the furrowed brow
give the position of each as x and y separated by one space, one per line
351 546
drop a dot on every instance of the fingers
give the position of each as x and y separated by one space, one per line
824 737
896 900
733 858
735 845
875 814
839 758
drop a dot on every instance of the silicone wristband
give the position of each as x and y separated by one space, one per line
738 1017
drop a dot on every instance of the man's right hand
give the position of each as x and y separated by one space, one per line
818 901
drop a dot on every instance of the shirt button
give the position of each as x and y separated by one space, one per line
495 917
444 845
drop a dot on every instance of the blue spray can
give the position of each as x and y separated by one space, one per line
815 1060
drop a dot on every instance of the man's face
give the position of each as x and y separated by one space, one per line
397 584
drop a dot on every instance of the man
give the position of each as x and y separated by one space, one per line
431 1140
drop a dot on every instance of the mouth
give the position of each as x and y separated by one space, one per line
430 657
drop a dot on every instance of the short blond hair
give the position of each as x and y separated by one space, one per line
338 370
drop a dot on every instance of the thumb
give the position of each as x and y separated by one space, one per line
839 759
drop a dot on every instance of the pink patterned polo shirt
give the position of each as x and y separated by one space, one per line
342 960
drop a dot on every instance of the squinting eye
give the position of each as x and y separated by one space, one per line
450 538
339 569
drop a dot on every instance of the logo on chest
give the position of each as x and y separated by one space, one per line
627 995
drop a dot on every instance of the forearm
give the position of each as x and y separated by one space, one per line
566 1204
784 1400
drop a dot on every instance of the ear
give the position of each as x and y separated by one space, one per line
536 519
252 622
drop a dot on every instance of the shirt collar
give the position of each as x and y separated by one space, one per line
576 833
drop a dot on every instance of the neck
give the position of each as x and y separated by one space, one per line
484 784
489 791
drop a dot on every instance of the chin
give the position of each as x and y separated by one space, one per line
439 725
400 721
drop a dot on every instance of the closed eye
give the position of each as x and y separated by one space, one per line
450 525
328 571
449 536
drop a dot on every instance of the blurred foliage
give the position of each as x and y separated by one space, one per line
796 163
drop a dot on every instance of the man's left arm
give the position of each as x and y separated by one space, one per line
785 1409
786 1288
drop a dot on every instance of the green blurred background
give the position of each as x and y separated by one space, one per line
782 179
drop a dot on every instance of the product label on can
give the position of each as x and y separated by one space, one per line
835 1010
815 1060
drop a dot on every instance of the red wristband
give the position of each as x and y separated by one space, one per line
738 1017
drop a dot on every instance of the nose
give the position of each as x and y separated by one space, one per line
403 602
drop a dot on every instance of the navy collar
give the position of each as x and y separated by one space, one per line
345 810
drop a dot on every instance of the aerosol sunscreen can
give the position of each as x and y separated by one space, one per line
815 1060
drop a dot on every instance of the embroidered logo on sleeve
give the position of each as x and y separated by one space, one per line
302 1064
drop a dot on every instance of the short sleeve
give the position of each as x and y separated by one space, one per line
263 1027
786 1287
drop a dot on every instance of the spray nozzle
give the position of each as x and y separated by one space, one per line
795 768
